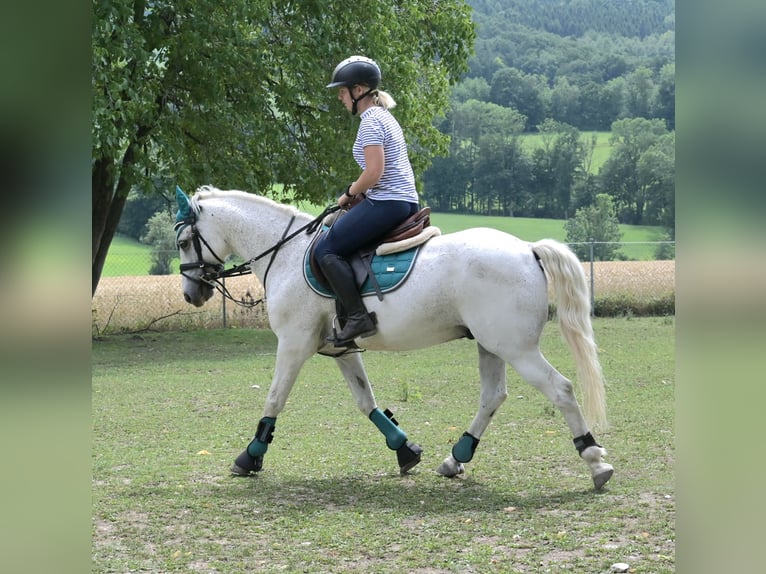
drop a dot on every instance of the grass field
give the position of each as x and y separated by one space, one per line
172 410
128 257
601 151
638 238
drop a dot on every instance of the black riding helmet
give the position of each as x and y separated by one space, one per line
354 71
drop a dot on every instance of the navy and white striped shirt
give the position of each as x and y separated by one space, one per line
379 127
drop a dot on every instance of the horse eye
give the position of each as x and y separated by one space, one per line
183 244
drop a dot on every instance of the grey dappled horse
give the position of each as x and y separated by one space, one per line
479 283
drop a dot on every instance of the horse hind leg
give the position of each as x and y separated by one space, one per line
493 392
539 373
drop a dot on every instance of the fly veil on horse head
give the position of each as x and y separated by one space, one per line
480 284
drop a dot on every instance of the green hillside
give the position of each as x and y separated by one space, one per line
531 229
601 151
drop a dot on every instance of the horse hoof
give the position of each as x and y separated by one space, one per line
601 478
450 468
408 456
239 471
246 465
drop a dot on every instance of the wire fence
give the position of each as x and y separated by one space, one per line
128 299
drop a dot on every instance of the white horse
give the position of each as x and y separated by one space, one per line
479 283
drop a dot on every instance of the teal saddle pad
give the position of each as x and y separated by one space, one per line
390 272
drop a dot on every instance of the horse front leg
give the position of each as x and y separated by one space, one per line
407 453
290 359
493 393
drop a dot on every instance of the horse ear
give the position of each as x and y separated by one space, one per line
184 205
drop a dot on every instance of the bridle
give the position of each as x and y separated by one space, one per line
213 274
209 270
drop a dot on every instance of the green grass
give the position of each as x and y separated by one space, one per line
128 257
172 410
601 152
532 229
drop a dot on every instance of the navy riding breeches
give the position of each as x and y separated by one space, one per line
360 226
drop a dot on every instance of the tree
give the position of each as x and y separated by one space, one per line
639 93
596 223
160 235
501 175
656 169
483 159
665 100
139 207
511 88
620 175
557 164
565 102
586 187
601 104
471 89
232 93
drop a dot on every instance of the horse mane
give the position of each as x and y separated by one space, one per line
208 191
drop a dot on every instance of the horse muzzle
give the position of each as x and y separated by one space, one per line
200 297
196 290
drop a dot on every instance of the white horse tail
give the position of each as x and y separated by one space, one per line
566 276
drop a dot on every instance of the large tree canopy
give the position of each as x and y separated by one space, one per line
232 93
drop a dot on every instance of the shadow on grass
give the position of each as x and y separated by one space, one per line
423 493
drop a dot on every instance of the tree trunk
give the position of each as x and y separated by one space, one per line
102 184
108 204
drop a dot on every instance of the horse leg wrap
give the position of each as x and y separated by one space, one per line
584 441
264 434
395 437
251 459
465 447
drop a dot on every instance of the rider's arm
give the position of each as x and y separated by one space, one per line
374 161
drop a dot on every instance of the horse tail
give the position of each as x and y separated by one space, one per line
566 276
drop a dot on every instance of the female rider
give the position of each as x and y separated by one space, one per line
387 181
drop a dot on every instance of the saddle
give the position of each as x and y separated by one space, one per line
410 227
413 231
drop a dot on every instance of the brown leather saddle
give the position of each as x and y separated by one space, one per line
361 260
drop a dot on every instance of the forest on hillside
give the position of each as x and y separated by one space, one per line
558 68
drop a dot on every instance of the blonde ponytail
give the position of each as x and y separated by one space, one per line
383 99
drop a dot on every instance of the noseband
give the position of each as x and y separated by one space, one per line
210 271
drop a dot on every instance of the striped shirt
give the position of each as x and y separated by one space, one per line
379 127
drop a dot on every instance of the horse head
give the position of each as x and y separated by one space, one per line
195 238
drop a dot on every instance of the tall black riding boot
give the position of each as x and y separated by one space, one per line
359 323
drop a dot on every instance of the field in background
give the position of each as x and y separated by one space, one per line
128 257
138 303
601 152
638 238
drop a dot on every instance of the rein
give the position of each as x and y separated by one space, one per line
214 273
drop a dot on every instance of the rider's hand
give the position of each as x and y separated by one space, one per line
345 198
